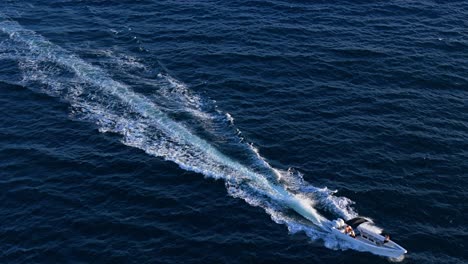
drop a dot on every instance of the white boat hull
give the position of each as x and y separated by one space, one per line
389 249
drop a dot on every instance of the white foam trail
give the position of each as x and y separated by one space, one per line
141 105
116 108
277 172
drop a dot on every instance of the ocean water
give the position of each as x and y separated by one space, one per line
231 131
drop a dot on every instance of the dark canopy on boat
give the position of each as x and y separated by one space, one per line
355 222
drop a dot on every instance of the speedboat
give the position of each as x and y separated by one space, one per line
364 236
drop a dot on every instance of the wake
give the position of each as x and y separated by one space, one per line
147 122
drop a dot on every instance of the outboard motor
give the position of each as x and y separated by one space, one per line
339 223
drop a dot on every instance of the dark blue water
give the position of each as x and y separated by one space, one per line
158 131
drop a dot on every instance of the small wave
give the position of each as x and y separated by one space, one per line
230 118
